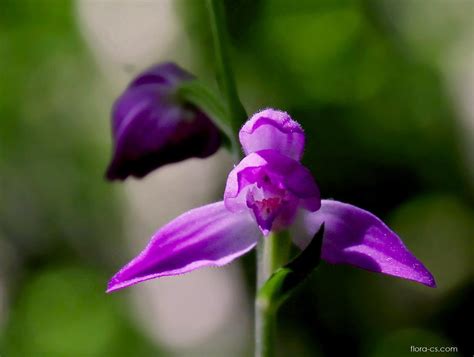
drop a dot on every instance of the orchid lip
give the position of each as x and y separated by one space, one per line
273 187
265 206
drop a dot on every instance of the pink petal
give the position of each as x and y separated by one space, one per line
357 237
205 236
273 129
289 173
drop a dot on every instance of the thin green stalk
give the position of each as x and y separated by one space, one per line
272 253
265 329
225 76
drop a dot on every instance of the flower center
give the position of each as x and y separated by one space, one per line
267 201
268 205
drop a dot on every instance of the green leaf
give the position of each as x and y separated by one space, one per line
284 280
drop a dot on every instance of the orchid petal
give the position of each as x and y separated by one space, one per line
357 237
205 236
167 73
150 131
273 129
293 176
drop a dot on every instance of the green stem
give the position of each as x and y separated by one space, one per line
272 253
265 330
225 76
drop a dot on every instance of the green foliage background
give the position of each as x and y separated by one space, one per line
383 133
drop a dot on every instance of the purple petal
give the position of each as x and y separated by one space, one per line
205 236
272 129
132 101
265 211
357 237
288 173
167 73
150 130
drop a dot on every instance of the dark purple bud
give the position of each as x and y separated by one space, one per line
152 127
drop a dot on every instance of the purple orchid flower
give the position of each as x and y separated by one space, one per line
152 128
270 190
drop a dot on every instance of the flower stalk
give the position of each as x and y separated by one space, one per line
272 253
268 252
225 75
265 328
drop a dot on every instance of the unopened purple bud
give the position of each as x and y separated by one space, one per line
152 127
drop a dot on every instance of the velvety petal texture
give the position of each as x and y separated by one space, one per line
205 236
357 237
151 127
273 129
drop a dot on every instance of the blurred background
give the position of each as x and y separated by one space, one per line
384 90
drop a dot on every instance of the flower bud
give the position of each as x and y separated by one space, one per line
152 127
